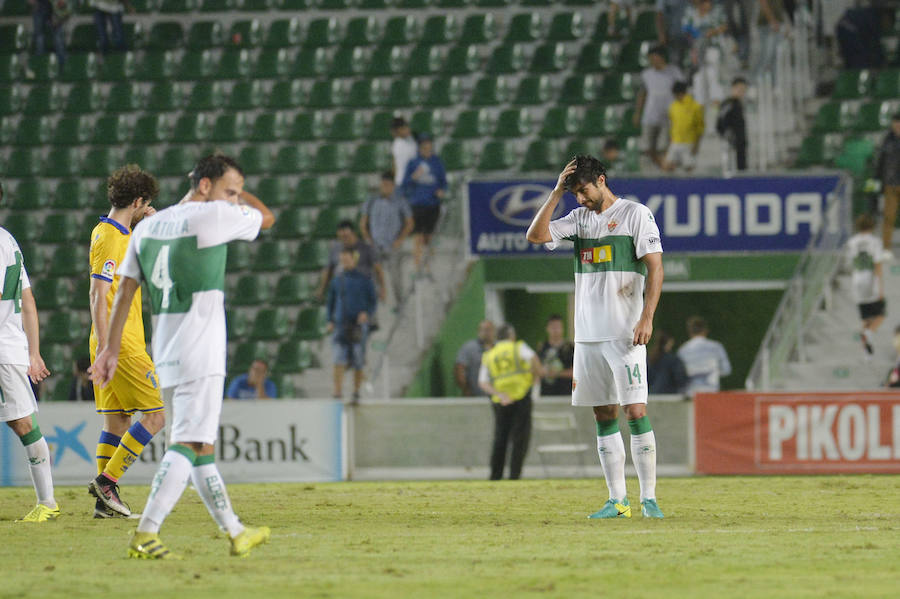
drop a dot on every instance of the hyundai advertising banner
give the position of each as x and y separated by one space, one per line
694 215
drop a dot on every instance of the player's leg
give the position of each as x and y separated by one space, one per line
520 435
340 356
503 420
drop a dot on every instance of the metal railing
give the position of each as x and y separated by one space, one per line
805 292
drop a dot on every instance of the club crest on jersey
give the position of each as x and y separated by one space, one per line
596 255
612 226
109 269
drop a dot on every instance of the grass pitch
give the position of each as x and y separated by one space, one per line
731 537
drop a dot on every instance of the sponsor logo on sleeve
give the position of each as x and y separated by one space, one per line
245 210
109 269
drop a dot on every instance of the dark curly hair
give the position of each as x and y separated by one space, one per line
587 170
129 183
213 167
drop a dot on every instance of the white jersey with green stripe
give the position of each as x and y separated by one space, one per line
180 252
13 279
609 275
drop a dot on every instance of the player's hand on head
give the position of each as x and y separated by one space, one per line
568 170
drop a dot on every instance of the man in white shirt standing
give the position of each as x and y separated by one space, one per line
618 280
652 103
705 360
404 148
866 255
181 253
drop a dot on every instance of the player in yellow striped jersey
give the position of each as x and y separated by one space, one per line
135 387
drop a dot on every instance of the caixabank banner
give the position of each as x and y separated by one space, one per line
797 433
259 441
771 213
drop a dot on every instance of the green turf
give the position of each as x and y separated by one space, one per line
722 537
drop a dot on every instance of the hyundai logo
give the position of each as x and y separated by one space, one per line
516 205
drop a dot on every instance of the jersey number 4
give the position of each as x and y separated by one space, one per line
160 278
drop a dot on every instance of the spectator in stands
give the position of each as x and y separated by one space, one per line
705 360
366 259
109 12
50 16
507 375
686 118
557 355
468 359
81 387
611 155
351 305
772 25
732 126
665 370
738 14
893 379
653 100
858 34
887 170
255 384
669 18
425 185
403 148
385 224
705 26
865 253
612 17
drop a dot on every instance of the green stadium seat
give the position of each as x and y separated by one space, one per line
634 56
312 324
497 156
312 256
246 95
83 39
124 97
272 256
293 223
291 160
549 58
594 123
84 97
533 90
458 155
307 126
462 60
566 27
887 84
23 162
135 35
44 67
230 127
244 355
515 122
100 162
24 225
112 129
283 33
539 156
62 162
196 65
351 190
206 96
177 161
10 67
361 31
346 126
366 93
326 222
579 89
507 58
152 128
255 160
13 37
291 357
33 131
582 146
874 116
330 158
378 128
401 30
375 4
831 117
256 5
472 124
177 6
34 255
293 5
273 191
385 61
348 62
852 84
440 29
72 130
425 60
592 58
370 158
44 99
413 4
524 27
322 33
240 256
217 5
80 298
118 67
310 63
157 65
192 128
478 29
64 326
286 94
268 126
165 35
234 63
145 6
325 94
57 358
620 87
11 99
272 63
246 33
333 4
249 290
855 156
57 228
620 120
405 92
819 150
165 96
8 130
68 260
452 3
489 91
28 194
311 191
644 28
444 92
79 67
431 121
237 323
146 158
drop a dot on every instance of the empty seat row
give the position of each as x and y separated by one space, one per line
859 83
837 116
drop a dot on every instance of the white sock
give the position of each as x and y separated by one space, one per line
612 457
39 465
211 487
168 485
643 454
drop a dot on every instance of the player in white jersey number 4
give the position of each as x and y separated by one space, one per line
618 278
181 252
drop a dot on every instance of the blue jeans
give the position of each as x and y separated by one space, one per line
116 35
347 354
42 20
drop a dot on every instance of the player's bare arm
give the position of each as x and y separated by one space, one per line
104 365
254 202
37 370
644 328
99 313
539 230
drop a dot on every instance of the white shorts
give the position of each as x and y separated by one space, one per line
16 396
681 155
196 407
609 373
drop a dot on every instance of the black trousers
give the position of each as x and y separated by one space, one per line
512 423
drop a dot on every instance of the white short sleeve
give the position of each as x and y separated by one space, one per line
25 282
646 233
565 228
483 375
236 221
525 352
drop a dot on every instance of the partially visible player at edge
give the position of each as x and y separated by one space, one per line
181 253
134 388
618 279
20 360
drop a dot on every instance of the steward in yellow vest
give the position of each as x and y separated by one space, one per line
510 374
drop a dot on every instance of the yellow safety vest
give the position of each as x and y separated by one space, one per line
509 374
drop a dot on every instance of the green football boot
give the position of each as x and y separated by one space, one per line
649 509
614 508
